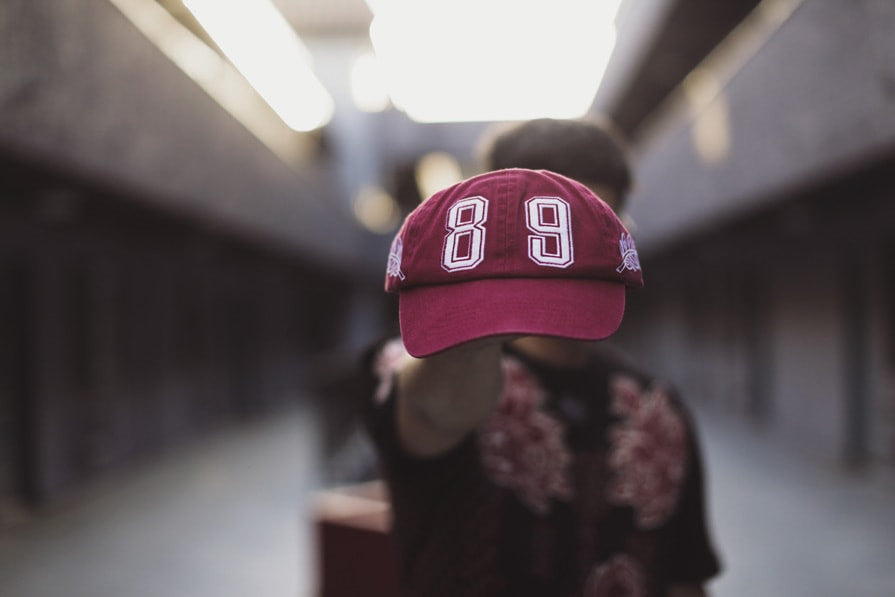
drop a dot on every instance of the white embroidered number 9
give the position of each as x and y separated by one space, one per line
549 218
464 245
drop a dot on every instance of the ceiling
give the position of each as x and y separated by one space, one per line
686 33
681 34
689 32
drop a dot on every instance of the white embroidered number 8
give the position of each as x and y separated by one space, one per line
550 219
464 245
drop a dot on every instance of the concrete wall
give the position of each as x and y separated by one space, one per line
882 359
123 331
81 88
807 340
803 90
785 318
764 216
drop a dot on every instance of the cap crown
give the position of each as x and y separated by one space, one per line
512 223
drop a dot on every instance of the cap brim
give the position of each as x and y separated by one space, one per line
434 318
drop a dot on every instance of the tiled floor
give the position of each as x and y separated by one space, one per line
226 517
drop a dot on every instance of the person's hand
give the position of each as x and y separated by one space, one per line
445 396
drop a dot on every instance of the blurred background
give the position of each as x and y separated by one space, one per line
196 203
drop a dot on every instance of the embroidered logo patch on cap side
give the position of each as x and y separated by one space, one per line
630 259
393 269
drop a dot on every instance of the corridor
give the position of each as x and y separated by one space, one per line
226 516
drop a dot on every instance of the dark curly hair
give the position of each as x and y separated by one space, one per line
589 150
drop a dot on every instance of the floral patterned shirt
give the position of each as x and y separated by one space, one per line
584 482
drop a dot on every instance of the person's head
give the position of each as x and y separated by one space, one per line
590 151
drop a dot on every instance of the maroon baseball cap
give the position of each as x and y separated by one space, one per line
511 251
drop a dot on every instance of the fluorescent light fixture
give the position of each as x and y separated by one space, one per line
484 60
368 84
217 77
265 49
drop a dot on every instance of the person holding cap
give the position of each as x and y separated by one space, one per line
520 461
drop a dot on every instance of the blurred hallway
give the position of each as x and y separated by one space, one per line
178 263
224 517
220 517
788 525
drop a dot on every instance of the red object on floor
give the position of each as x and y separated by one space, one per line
357 556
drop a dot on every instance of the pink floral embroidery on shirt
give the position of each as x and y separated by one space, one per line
648 451
522 445
620 576
387 362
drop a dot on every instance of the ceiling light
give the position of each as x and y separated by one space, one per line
265 49
367 84
217 77
481 60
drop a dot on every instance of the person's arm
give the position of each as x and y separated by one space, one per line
442 398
